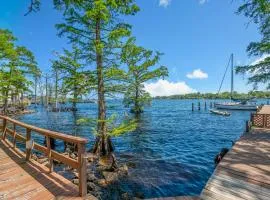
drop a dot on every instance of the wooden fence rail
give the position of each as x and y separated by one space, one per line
260 120
79 164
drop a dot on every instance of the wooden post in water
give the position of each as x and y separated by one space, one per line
199 106
205 106
192 107
211 104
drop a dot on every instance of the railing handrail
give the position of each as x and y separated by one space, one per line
80 163
45 132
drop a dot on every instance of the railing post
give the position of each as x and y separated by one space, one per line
82 159
14 136
28 144
4 129
49 153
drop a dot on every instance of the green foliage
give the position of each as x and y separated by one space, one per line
259 12
115 128
96 30
139 62
96 27
76 80
16 64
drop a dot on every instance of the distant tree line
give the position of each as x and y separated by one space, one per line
223 95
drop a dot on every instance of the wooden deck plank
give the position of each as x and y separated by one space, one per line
244 173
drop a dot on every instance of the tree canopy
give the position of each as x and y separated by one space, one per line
76 80
140 61
258 11
16 64
97 29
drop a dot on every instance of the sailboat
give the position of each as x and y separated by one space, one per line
234 104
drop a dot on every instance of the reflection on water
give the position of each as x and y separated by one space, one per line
172 151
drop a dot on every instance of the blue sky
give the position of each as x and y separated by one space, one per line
193 35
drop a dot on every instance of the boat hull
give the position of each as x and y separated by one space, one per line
217 112
236 107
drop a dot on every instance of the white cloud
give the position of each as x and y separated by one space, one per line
164 3
166 88
197 74
203 1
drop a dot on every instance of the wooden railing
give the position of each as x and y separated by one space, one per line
260 120
79 164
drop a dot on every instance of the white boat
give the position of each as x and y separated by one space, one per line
218 112
234 104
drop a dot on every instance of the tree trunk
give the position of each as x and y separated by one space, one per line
46 88
56 89
103 145
136 103
35 91
75 97
22 99
5 101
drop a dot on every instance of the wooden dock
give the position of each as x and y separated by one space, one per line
23 178
264 110
20 179
244 173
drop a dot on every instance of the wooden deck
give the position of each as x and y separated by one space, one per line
20 179
23 178
264 110
244 173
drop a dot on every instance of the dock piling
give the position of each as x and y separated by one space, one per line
247 126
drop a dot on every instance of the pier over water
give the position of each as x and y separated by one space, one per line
244 173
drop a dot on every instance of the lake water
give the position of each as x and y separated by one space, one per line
172 151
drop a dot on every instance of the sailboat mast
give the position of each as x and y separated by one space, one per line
232 74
